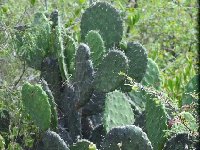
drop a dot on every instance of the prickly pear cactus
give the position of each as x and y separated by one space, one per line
102 17
152 75
54 115
192 91
118 111
36 104
156 122
128 137
107 77
83 145
84 75
137 55
181 141
69 53
97 48
52 141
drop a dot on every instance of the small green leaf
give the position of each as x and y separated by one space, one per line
32 2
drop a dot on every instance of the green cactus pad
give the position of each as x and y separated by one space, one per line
128 137
181 141
81 145
117 111
152 75
69 53
137 55
52 141
84 75
107 76
102 17
97 48
54 115
156 122
36 104
192 91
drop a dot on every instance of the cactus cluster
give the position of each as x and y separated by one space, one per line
83 80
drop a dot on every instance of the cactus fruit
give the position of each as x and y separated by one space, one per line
107 77
97 48
54 115
82 144
4 120
36 104
152 75
102 17
117 111
156 122
128 137
52 141
181 141
192 91
84 74
137 55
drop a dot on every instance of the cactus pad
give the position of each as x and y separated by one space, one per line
107 76
137 55
52 141
192 91
96 44
152 75
102 17
156 122
126 138
36 104
117 111
81 145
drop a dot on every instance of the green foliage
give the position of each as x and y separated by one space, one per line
36 104
2 143
118 111
97 48
104 18
126 137
107 77
156 122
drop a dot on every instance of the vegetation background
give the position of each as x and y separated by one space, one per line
167 28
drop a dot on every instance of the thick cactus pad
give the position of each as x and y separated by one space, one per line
52 141
104 18
137 55
84 74
97 48
192 91
107 76
152 75
126 138
36 104
156 122
118 111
